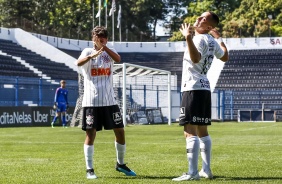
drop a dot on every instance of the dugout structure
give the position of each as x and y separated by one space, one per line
144 88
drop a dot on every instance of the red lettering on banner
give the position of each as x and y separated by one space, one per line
100 71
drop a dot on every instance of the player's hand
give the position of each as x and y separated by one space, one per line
55 106
214 32
97 42
67 107
187 30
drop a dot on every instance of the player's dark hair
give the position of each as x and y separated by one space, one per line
100 31
215 18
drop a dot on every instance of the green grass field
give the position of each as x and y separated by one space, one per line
242 153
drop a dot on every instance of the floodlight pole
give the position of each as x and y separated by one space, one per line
124 93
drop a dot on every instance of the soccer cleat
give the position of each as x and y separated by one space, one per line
90 174
206 174
124 169
187 177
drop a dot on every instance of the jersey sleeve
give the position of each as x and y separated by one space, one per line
218 51
114 50
83 54
199 44
56 95
66 97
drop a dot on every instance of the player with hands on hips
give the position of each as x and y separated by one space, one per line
100 109
203 44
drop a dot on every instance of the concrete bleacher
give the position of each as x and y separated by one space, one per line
10 67
54 70
253 80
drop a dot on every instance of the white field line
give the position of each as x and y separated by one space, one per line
258 127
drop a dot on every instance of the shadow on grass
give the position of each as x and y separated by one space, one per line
245 178
144 177
214 178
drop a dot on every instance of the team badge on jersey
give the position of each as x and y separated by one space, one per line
89 119
117 117
106 58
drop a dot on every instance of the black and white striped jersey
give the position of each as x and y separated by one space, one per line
98 80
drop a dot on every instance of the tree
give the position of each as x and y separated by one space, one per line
196 8
254 18
74 19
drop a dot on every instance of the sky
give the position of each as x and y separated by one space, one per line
159 31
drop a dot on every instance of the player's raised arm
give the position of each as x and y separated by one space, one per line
82 60
187 32
219 40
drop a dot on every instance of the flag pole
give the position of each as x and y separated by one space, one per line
100 12
119 22
106 20
112 13
93 16
113 26
120 33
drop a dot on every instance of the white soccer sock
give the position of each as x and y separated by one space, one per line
89 153
120 150
192 146
205 147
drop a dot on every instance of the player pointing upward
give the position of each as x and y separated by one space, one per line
100 108
195 110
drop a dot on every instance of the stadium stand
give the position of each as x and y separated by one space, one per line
50 68
252 79
10 67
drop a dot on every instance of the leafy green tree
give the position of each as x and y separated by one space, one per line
197 7
254 18
74 18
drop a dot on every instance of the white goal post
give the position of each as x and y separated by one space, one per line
143 79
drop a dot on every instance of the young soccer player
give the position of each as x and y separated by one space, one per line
100 108
61 103
195 110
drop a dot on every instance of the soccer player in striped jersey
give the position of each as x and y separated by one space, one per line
100 109
195 110
61 103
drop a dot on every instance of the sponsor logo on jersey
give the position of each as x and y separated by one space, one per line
204 83
100 71
89 119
